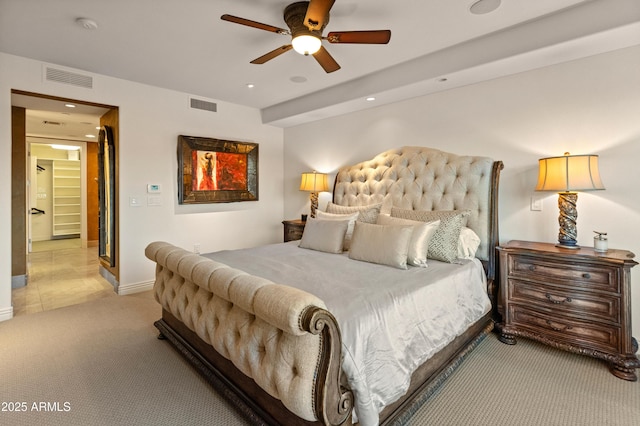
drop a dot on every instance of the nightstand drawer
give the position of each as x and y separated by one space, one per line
293 234
293 229
584 304
590 334
586 276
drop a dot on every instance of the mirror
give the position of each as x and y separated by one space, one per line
106 195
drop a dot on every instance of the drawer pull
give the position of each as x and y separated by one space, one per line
557 301
586 276
561 327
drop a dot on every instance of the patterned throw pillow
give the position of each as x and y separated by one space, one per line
444 244
368 214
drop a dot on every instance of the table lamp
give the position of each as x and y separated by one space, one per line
314 182
566 175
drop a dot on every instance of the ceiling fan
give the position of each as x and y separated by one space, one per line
306 20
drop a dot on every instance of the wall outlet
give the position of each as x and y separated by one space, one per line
196 248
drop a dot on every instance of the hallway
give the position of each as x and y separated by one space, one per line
60 274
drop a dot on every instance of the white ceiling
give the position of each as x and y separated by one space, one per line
183 45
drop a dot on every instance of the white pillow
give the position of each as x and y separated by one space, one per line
468 244
324 235
351 217
419 244
368 213
383 244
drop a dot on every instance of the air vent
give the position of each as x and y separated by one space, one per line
52 123
204 105
67 77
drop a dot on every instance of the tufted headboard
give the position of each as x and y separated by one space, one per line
421 178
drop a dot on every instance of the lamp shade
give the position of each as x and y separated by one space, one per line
314 182
569 173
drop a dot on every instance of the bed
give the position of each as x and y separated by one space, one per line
305 332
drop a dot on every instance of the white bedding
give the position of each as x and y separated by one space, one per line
391 320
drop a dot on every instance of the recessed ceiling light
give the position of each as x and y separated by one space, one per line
484 6
370 99
65 147
251 85
87 24
298 79
70 105
97 127
89 136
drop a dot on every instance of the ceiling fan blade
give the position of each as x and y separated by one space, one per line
253 24
364 37
325 60
275 52
317 11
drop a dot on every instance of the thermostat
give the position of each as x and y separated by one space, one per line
154 188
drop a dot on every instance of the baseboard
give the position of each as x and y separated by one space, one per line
6 313
124 289
18 281
107 275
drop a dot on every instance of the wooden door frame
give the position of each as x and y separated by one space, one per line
19 202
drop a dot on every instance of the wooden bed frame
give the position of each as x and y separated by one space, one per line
333 398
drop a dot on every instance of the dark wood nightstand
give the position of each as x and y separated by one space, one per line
575 300
293 229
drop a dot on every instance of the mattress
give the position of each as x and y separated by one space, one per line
391 320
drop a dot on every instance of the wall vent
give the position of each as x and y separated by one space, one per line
52 123
67 77
204 105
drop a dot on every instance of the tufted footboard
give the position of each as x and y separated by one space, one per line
281 337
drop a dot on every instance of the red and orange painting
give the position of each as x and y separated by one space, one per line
219 171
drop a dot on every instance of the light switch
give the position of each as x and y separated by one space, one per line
154 200
536 204
134 201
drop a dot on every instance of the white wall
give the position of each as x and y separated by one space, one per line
150 121
588 106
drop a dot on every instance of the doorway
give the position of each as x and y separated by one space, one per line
58 254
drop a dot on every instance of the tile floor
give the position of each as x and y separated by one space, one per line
60 274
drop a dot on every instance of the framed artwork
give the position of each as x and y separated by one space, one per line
216 170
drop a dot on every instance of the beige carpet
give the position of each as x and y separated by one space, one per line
100 363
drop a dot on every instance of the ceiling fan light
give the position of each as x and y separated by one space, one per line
306 44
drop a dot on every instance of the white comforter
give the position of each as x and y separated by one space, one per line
391 320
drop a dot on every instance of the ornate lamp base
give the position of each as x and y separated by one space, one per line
567 202
314 203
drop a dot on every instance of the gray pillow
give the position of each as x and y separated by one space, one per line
383 244
444 244
324 235
368 213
